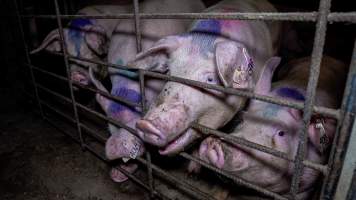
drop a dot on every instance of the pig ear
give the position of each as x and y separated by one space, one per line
96 39
102 100
233 64
50 43
156 58
263 85
321 129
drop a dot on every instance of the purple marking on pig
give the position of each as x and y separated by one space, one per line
128 94
210 26
290 93
78 23
75 32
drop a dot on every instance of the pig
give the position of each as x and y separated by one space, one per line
87 38
276 127
229 53
122 50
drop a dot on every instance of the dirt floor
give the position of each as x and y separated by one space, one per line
38 162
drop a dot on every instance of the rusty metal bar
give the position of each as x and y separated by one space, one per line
28 59
66 62
317 53
348 114
285 16
236 179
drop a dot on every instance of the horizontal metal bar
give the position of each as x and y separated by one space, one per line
130 176
244 93
97 114
85 127
202 129
240 141
334 113
285 16
196 192
186 186
108 95
236 179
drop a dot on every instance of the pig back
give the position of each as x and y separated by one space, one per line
330 83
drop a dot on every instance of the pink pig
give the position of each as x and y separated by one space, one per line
230 53
277 127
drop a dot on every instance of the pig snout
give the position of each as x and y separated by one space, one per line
80 77
211 151
163 124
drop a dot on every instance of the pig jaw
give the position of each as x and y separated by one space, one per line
162 124
123 144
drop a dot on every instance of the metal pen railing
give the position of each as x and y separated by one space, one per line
344 115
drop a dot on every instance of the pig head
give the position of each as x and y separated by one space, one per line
208 59
83 38
276 127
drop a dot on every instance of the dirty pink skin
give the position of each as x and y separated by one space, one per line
87 38
122 49
230 53
277 127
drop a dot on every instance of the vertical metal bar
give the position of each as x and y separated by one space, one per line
137 26
142 89
319 40
66 61
347 172
347 115
28 59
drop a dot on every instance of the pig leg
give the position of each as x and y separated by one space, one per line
219 192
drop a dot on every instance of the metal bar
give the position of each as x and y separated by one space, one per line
202 129
317 53
178 182
130 176
285 16
343 129
334 113
186 186
243 142
236 179
101 116
66 62
108 95
155 193
28 59
142 89
244 93
348 168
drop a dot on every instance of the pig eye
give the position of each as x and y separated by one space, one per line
210 78
281 133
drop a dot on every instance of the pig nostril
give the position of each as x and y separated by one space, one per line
148 128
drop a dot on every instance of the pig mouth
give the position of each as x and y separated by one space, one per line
222 155
150 134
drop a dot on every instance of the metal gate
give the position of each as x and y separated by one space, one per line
345 115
